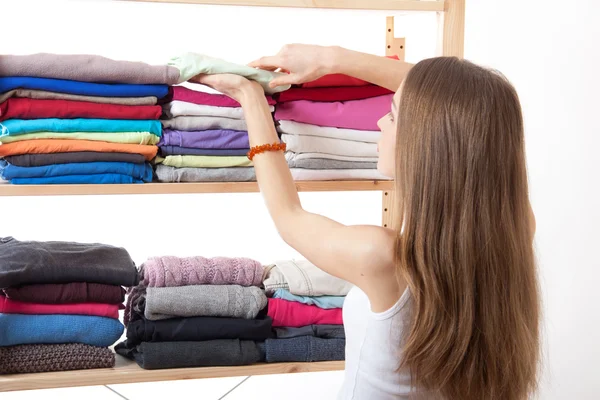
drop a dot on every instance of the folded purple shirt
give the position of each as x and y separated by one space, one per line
210 139
190 151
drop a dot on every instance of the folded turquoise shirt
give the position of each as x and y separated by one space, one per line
136 171
325 302
16 329
192 64
21 126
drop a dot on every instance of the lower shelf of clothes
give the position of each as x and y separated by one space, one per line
127 371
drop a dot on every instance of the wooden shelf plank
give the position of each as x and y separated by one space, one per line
405 5
128 372
183 188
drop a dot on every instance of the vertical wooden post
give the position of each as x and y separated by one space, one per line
451 29
387 209
393 46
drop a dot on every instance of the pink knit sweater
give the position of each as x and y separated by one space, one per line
169 271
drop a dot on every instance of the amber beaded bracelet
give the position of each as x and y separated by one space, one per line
265 147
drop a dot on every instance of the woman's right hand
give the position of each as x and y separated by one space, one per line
302 62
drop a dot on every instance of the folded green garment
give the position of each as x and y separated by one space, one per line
205 161
192 64
112 137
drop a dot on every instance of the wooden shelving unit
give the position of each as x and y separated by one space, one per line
127 372
183 188
451 38
402 5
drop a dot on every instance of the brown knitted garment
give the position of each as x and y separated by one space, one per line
53 357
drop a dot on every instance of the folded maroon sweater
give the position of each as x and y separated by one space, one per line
64 293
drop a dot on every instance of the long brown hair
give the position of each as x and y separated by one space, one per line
465 241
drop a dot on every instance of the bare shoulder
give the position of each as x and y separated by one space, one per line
379 273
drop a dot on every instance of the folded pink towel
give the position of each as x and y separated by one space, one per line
354 114
172 271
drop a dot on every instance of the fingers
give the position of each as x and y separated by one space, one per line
203 79
269 63
283 80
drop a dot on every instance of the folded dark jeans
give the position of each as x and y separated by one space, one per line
304 349
163 355
321 331
198 329
25 263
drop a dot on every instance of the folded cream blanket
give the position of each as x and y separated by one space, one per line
302 278
314 144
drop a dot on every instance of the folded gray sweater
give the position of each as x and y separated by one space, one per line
172 174
204 300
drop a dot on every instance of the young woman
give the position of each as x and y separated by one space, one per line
447 304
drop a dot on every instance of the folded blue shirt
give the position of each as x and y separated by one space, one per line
135 171
98 179
21 126
188 151
82 88
16 329
325 302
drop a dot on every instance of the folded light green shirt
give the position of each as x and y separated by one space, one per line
112 137
192 64
205 161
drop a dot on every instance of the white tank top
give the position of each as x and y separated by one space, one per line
373 350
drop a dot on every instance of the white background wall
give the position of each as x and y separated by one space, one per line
548 49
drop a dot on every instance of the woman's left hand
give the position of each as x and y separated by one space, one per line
235 86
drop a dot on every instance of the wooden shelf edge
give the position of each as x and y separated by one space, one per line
184 188
400 5
128 372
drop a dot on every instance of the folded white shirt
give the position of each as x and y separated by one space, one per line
315 144
301 174
178 108
298 128
291 156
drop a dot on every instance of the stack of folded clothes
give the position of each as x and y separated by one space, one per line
306 309
196 311
330 127
59 304
90 119
78 119
205 138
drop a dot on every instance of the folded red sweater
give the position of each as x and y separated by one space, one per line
338 80
8 306
293 314
343 93
25 108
